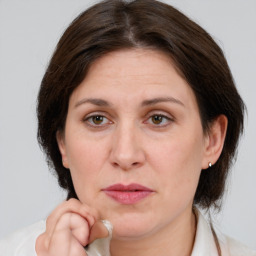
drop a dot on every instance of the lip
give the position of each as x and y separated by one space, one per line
127 194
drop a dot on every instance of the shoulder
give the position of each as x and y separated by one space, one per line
208 241
233 247
22 242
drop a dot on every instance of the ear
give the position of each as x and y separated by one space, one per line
214 141
62 148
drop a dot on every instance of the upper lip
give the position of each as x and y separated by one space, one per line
129 187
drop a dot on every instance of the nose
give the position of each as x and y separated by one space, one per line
127 150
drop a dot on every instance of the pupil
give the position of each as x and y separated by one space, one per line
157 119
97 119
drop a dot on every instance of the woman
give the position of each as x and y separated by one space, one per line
140 118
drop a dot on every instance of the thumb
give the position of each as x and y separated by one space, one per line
98 230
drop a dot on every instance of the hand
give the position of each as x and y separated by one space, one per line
70 227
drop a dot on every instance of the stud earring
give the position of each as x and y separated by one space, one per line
210 164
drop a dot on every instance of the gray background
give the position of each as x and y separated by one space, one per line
29 31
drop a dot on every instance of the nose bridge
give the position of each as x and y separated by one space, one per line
126 149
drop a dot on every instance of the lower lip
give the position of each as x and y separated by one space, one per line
127 197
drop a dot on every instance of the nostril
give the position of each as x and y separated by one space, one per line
126 167
116 164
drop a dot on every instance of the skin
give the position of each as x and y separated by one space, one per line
143 128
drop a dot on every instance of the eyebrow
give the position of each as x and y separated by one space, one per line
160 100
104 103
94 101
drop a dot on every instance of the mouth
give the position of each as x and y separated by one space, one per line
127 194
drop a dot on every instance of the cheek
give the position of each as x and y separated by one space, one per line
84 154
178 164
85 162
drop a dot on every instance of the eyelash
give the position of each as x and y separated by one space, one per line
92 124
161 116
89 120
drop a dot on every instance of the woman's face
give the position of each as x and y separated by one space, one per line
135 121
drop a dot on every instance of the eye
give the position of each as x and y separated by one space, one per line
159 120
97 120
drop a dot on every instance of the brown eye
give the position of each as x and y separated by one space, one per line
97 119
157 119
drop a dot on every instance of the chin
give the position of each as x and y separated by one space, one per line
131 226
130 232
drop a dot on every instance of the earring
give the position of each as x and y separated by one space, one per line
210 164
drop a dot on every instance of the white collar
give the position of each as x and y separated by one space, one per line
204 241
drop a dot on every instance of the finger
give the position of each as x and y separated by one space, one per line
98 230
64 244
72 205
40 245
76 225
80 229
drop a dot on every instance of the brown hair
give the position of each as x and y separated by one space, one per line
116 24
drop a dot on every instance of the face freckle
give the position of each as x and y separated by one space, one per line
127 90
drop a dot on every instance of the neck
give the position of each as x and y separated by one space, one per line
176 238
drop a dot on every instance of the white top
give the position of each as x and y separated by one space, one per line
22 243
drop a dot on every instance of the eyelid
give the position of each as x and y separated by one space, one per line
94 114
161 113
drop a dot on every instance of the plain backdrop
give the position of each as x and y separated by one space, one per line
29 31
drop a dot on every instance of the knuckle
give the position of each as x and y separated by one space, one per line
48 221
41 243
66 217
72 201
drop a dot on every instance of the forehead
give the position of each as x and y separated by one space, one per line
134 74
124 64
